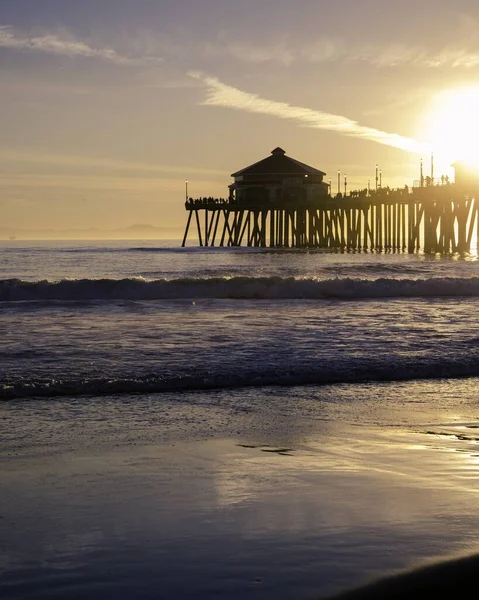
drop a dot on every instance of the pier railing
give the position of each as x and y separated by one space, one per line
440 218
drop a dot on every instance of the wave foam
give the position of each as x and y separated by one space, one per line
327 375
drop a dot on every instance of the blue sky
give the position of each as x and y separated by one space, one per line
107 106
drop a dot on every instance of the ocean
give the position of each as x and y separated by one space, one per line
232 422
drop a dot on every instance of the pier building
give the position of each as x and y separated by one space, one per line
277 180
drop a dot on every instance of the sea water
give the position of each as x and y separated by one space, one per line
114 344
85 318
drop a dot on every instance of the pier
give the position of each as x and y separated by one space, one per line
437 219
287 210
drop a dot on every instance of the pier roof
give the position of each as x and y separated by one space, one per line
278 163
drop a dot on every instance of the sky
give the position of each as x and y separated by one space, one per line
108 106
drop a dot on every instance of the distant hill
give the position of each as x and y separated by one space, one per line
142 227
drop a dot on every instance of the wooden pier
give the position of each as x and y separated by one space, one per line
440 219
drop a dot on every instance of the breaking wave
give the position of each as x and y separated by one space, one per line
261 288
242 378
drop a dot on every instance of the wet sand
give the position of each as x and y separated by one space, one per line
301 511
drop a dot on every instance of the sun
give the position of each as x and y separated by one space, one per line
452 126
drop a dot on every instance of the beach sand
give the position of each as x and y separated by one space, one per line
453 578
212 497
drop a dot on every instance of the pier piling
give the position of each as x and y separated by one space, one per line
436 219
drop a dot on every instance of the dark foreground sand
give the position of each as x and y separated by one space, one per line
450 579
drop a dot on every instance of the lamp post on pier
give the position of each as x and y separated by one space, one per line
186 190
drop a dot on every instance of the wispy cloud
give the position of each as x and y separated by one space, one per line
145 47
458 53
64 44
335 50
220 94
119 184
39 157
279 53
397 55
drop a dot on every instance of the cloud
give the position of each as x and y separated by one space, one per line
338 51
104 164
121 184
398 55
220 94
145 47
261 54
459 53
65 45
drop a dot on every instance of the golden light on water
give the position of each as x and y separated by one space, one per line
451 127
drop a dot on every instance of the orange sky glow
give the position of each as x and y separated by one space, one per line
106 111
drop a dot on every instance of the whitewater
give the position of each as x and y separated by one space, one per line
267 288
232 422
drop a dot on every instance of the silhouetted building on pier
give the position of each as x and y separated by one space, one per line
278 180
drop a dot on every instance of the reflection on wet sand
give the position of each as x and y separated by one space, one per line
307 509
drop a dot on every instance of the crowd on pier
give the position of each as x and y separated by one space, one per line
207 201
366 193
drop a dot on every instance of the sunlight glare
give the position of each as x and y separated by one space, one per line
452 126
